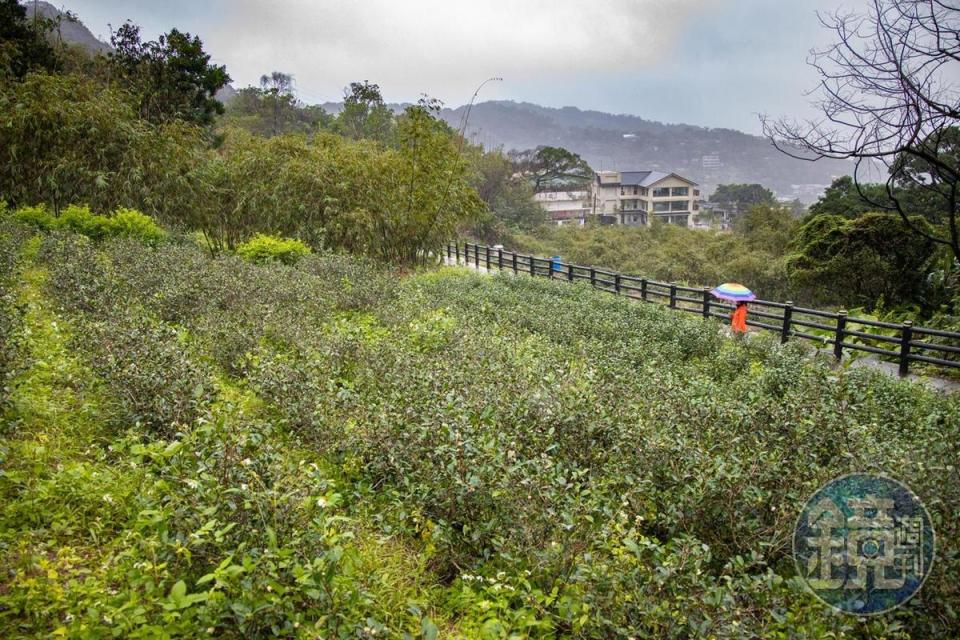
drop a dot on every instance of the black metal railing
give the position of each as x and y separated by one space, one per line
901 343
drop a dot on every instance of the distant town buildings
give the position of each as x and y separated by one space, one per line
639 197
711 161
633 198
565 207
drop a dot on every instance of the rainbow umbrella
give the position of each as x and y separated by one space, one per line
733 292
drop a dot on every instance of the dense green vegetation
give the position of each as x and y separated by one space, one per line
873 261
202 445
139 129
230 407
768 250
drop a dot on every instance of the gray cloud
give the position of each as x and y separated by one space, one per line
445 47
707 62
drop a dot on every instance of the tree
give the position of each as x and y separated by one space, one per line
846 199
886 97
743 195
553 167
23 44
171 77
65 139
278 94
509 198
870 258
267 112
364 114
766 227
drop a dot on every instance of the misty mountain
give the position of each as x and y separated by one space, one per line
626 142
71 31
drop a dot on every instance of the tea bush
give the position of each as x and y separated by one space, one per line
262 248
561 462
148 371
12 239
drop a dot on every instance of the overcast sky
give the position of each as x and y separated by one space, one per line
713 63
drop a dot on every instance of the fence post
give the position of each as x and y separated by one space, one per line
643 289
500 259
456 246
673 296
514 263
487 249
533 269
706 302
906 335
616 283
787 317
838 339
593 277
570 272
449 251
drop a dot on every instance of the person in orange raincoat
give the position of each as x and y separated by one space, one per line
738 320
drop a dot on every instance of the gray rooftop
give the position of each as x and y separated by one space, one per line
645 178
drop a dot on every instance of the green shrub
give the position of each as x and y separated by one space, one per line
38 216
130 223
124 223
262 248
149 371
80 219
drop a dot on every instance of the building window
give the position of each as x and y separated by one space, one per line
623 192
679 191
634 189
659 207
696 207
643 191
679 205
661 192
696 192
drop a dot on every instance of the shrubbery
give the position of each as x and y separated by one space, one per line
262 248
66 139
560 462
123 223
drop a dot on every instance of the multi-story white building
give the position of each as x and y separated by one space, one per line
640 197
565 207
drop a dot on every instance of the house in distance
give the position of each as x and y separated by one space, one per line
639 197
633 198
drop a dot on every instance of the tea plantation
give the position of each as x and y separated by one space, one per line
211 447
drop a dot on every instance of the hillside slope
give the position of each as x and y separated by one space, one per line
205 447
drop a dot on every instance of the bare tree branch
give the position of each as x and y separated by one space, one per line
887 94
